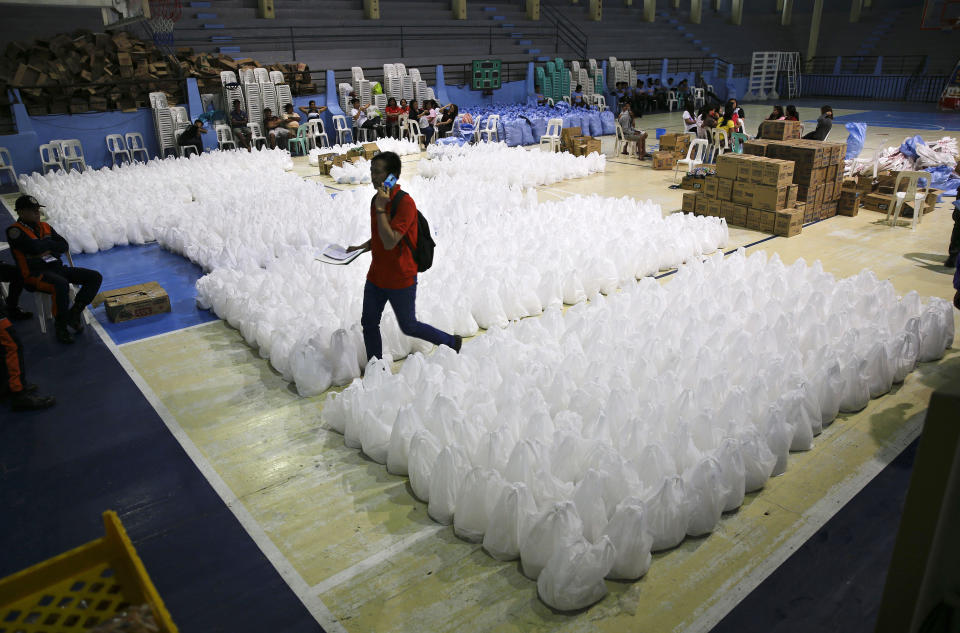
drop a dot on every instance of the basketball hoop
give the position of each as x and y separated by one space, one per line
163 16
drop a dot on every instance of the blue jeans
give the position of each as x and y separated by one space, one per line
403 302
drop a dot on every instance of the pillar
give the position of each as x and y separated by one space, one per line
814 29
596 10
265 9
855 6
533 9
696 11
459 9
649 10
786 12
736 12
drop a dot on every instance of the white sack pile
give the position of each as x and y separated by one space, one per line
403 147
492 266
513 166
581 442
109 207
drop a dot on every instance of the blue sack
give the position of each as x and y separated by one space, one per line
596 127
514 135
501 131
943 178
858 131
539 128
527 132
909 146
572 120
608 122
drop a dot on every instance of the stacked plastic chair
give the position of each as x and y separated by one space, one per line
163 124
254 102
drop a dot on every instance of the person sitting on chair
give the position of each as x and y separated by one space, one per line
824 123
362 118
37 248
291 120
312 111
638 136
448 116
792 114
191 136
277 134
11 275
576 98
13 378
238 124
393 112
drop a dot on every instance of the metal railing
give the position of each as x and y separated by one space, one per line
914 88
867 64
399 38
566 31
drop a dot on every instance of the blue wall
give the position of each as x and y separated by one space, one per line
510 92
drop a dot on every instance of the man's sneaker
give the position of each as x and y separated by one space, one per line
63 334
951 262
16 314
31 402
457 343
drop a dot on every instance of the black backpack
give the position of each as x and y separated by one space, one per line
423 252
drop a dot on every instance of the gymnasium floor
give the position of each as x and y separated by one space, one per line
250 516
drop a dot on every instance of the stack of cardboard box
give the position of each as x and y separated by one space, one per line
818 171
780 130
877 194
572 140
750 191
673 147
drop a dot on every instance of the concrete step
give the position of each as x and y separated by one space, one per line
229 50
206 16
213 26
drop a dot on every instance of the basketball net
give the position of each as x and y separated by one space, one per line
163 15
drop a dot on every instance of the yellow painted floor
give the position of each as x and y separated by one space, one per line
365 547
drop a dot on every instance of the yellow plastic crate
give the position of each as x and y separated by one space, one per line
81 588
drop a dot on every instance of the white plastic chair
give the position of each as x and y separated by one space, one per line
672 101
225 137
6 165
118 149
73 155
317 133
719 143
341 128
698 97
363 134
551 137
910 194
490 128
696 154
50 157
416 135
134 143
257 139
43 302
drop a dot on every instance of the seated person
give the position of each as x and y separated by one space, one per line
277 134
393 118
13 379
311 111
428 116
365 117
191 136
776 115
448 116
792 114
824 123
291 120
639 136
37 249
690 123
238 124
708 120
576 97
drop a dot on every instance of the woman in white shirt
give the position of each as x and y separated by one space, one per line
690 124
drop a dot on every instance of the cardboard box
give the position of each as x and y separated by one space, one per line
728 165
743 193
735 214
702 202
788 222
690 202
865 183
675 142
692 183
724 189
133 302
878 202
714 208
370 150
777 172
760 220
849 204
664 160
780 130
770 198
832 172
828 209
710 184
567 135
756 147
745 169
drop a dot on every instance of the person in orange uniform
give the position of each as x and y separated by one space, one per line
393 271
13 377
37 249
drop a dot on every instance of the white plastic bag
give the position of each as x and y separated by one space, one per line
509 521
479 492
446 476
555 530
668 514
627 530
573 577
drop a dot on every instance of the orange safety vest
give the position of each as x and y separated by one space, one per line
21 257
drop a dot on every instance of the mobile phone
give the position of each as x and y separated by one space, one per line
389 181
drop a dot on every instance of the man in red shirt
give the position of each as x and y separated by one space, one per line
393 272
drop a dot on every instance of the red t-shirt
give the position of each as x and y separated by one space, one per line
394 269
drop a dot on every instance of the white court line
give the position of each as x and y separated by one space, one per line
297 584
162 334
812 520
376 559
